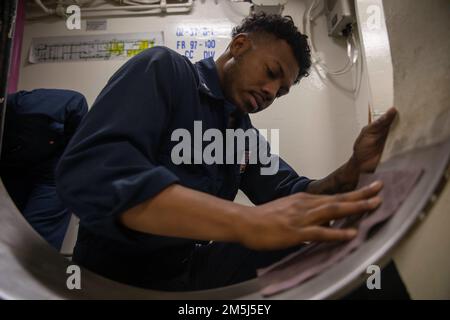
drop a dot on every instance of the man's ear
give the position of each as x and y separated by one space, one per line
240 45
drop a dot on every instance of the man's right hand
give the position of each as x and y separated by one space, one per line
302 217
181 212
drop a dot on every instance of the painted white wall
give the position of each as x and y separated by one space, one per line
317 121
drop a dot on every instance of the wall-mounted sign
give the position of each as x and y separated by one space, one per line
200 40
95 47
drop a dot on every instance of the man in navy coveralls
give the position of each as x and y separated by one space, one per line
38 126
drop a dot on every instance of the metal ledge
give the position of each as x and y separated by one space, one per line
31 269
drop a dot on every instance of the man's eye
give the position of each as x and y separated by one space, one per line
281 93
270 74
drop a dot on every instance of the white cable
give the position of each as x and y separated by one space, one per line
316 58
348 66
139 2
43 7
314 7
84 2
359 63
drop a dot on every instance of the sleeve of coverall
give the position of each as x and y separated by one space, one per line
110 164
262 183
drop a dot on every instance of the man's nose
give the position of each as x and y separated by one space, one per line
270 90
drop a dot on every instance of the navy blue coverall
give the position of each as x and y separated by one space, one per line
38 126
121 156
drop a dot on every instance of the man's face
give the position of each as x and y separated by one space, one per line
262 69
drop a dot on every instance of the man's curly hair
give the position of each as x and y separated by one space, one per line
282 27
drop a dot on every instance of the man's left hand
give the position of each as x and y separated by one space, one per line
369 145
367 152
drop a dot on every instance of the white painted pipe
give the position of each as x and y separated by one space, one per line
135 9
186 5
